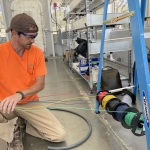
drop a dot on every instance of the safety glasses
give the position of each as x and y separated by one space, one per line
28 35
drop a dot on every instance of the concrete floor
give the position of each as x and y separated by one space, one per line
69 91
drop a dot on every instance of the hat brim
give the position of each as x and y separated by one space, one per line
8 30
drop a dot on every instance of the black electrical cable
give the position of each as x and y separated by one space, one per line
78 143
111 104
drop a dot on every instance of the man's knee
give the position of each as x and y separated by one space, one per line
61 136
58 136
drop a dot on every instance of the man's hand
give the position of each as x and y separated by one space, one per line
9 103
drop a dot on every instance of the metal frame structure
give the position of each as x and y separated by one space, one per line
88 24
71 35
139 46
137 28
88 41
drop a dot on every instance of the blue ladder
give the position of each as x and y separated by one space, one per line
141 72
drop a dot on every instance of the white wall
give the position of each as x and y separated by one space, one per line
7 14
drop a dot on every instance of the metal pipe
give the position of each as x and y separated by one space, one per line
143 10
102 45
56 19
120 89
101 53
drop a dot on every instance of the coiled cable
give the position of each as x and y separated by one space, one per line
78 143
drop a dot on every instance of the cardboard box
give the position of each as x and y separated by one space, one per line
67 55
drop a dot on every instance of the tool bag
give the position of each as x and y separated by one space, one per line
110 78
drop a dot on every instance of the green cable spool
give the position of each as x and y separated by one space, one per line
129 117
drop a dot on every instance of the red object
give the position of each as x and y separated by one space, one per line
101 95
54 4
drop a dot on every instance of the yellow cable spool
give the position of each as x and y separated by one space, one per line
106 99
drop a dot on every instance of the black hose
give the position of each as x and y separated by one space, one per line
78 143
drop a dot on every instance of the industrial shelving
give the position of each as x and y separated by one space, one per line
94 20
79 5
88 22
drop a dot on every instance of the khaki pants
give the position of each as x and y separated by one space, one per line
40 122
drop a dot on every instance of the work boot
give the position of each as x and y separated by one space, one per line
16 143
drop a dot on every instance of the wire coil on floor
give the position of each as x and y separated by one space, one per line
78 143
